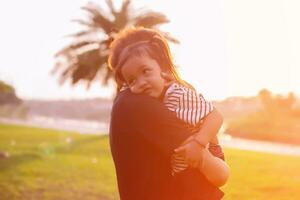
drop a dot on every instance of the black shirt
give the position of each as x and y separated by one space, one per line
143 135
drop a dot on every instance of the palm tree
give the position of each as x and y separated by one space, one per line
85 58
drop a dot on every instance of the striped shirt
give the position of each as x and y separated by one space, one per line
189 106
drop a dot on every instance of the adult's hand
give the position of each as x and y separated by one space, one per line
192 152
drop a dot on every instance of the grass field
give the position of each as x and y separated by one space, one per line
47 164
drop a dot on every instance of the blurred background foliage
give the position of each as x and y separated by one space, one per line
277 120
10 104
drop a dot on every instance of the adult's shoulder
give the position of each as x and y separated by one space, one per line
129 100
150 118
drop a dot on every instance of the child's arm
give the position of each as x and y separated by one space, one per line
211 126
192 108
192 146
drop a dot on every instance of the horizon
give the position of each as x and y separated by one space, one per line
106 98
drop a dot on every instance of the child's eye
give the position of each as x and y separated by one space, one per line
146 71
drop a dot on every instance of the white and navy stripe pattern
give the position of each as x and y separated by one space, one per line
190 107
187 104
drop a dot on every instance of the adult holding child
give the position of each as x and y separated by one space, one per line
159 153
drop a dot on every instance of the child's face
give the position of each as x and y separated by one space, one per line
143 75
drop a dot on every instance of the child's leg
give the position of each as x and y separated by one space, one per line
215 148
214 169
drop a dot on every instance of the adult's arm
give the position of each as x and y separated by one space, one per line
214 169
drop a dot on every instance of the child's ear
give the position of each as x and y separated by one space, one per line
166 76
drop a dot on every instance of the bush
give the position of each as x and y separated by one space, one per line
8 95
261 126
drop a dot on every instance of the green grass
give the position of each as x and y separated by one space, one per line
260 176
48 164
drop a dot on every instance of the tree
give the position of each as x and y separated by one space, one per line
285 104
277 105
291 100
85 59
6 88
268 102
8 94
266 97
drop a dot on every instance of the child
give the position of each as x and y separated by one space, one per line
141 61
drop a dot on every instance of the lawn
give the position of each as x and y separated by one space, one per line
48 164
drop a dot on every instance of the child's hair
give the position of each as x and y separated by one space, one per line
138 41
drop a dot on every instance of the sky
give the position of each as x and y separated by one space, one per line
228 47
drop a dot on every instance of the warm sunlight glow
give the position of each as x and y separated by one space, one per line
228 48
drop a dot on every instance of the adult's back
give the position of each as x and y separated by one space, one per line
143 135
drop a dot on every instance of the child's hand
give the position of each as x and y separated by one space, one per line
192 152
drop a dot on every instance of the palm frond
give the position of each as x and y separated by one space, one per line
169 37
150 19
98 19
83 22
122 17
125 8
106 43
82 33
74 46
67 72
108 75
111 6
86 67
